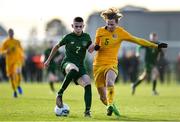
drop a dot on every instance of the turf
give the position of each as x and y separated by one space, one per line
37 104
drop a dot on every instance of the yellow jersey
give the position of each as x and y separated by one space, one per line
13 51
110 42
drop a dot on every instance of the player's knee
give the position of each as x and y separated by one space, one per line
87 83
110 82
74 68
18 70
87 80
154 78
70 67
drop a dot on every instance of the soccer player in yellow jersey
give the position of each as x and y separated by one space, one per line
107 43
14 54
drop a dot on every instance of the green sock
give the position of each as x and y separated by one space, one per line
68 78
88 97
154 85
52 86
137 83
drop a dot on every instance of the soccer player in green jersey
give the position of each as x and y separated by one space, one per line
76 44
53 65
151 72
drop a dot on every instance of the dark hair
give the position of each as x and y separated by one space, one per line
78 19
10 30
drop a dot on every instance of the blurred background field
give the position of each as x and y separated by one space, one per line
37 104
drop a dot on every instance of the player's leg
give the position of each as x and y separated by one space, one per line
18 79
99 73
110 79
155 74
100 81
85 82
13 84
51 84
138 82
102 93
10 72
52 78
71 71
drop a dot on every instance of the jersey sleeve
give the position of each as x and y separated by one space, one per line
97 37
89 41
21 51
63 41
3 47
128 37
20 47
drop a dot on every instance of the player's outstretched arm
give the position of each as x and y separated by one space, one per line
128 37
91 48
53 52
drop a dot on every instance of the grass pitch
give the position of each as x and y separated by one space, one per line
37 103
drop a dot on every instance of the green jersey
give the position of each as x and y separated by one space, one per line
75 48
151 57
53 66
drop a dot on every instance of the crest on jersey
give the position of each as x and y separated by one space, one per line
84 43
72 42
114 36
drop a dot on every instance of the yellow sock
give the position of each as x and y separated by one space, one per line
110 94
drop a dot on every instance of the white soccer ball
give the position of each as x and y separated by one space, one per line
64 111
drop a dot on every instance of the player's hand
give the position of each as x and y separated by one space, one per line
96 47
46 63
91 48
162 45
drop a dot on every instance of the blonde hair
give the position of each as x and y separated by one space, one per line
111 13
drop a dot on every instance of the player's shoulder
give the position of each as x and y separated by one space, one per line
101 29
68 35
6 41
86 34
17 40
120 29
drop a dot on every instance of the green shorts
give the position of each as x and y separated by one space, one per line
82 71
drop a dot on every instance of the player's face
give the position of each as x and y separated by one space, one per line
153 37
111 25
11 33
78 27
